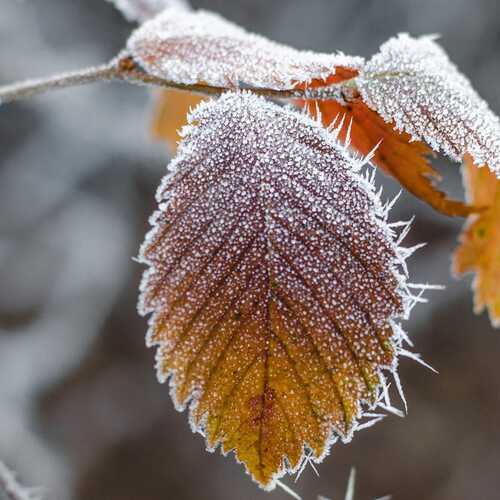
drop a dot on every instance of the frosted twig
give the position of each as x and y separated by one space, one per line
30 88
124 69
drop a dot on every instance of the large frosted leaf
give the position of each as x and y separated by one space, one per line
272 285
413 84
197 47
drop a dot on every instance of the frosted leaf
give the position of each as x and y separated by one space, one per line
273 285
142 10
412 82
171 110
191 47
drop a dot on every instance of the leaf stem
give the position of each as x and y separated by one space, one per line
125 69
30 88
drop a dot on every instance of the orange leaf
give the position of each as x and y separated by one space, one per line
479 249
170 115
405 160
273 285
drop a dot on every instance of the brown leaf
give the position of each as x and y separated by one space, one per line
170 115
273 285
479 249
396 154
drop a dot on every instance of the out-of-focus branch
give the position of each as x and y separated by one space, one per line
10 489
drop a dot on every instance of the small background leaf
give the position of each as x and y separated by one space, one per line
479 249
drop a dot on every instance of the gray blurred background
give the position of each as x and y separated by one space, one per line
81 412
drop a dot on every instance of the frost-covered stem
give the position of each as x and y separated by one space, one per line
343 90
124 69
30 88
140 77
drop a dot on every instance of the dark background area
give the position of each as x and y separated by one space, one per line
81 412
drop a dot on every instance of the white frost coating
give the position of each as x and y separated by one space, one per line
247 169
412 82
288 490
351 485
142 10
191 47
11 489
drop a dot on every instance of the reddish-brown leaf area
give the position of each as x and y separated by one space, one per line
272 285
479 249
405 160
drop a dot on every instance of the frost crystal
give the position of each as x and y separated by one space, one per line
413 83
275 285
204 47
142 10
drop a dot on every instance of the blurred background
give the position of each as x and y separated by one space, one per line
81 412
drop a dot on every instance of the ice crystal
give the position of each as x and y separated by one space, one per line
190 47
275 285
413 83
142 10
